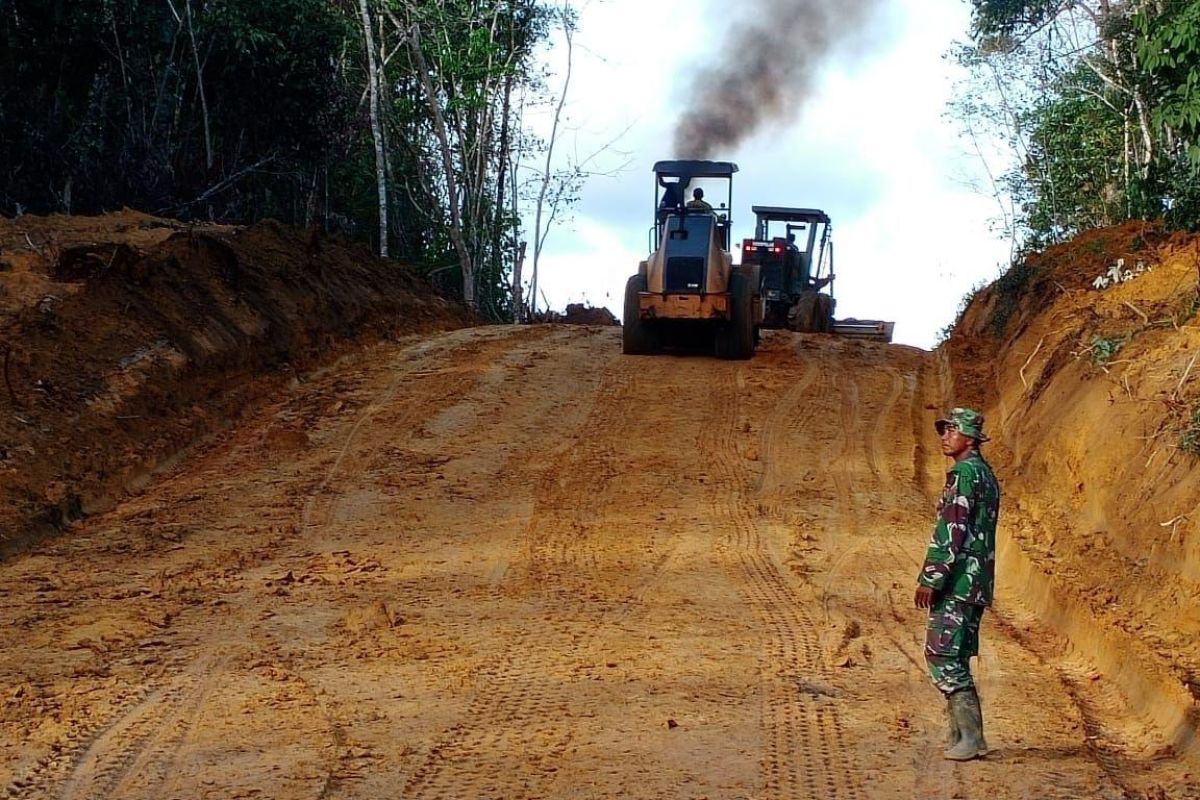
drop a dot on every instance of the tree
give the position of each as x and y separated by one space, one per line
401 116
464 60
1169 48
374 91
1096 100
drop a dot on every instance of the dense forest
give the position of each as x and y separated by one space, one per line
1097 103
395 120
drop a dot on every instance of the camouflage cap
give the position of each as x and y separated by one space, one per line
967 420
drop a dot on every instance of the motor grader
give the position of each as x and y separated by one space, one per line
688 292
796 273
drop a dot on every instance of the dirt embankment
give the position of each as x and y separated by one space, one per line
126 338
1086 358
578 314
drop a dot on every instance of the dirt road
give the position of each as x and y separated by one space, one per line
512 563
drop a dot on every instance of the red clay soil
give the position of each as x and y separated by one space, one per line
1093 399
125 338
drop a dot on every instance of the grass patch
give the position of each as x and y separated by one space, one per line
1189 439
1009 288
1105 347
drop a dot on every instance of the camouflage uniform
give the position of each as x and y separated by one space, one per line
960 563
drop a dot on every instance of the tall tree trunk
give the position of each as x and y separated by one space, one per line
502 157
376 127
208 148
539 235
443 138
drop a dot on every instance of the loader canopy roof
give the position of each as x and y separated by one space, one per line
782 214
696 169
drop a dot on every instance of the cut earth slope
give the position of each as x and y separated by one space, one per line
126 338
1093 395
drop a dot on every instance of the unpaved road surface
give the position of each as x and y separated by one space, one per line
512 563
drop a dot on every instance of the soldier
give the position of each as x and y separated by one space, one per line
957 579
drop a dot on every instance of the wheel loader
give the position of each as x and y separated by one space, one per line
688 293
796 273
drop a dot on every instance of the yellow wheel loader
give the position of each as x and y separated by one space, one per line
688 292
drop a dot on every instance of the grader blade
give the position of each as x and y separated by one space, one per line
864 329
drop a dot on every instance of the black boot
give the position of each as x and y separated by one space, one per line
964 707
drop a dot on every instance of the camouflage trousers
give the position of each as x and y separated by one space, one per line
951 638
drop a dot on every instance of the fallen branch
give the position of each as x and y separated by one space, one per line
1183 380
1174 524
1024 382
1145 318
235 177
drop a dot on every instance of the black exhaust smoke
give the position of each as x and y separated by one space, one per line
765 70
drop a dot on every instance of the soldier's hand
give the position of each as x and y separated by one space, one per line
924 597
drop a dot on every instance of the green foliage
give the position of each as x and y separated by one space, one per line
241 109
1005 18
1105 347
1101 105
1169 49
1189 439
1074 166
1011 288
103 104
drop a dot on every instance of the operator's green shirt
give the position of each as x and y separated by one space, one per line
960 562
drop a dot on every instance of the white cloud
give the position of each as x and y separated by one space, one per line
872 147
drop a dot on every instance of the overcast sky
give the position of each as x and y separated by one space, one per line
870 145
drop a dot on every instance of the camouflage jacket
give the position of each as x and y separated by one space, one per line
961 559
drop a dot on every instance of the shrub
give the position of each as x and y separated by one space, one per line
1105 347
1189 440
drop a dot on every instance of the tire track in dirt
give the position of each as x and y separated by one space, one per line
141 736
806 753
519 724
432 388
860 477
838 469
56 769
932 775
133 753
137 753
445 386
793 414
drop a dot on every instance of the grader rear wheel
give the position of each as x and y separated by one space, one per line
802 317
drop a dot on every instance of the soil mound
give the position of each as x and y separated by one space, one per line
124 338
1086 360
578 314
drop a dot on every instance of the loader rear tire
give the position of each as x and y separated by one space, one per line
735 339
638 336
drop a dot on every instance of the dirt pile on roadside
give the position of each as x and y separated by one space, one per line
578 314
1086 360
125 338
